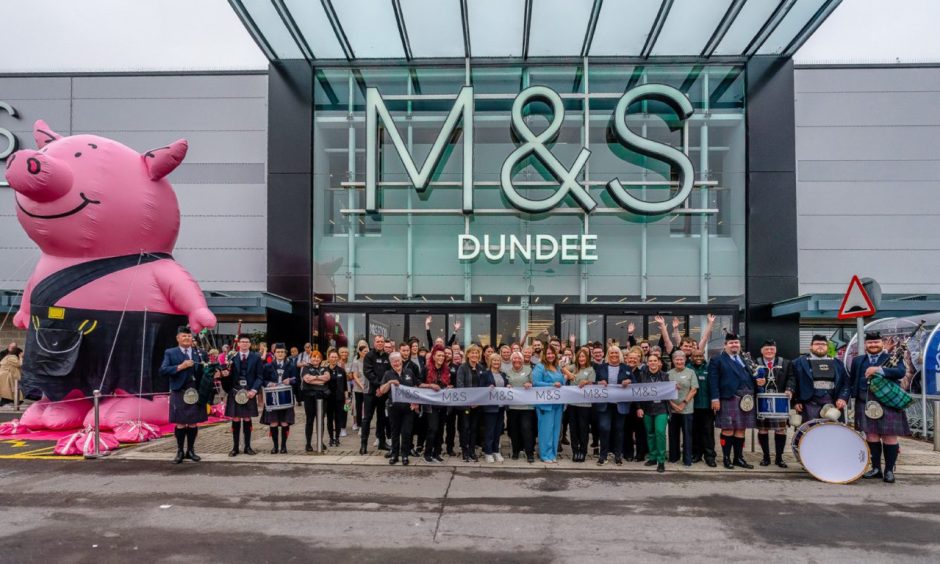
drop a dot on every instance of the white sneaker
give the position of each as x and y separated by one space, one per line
355 427
342 432
375 442
498 457
489 458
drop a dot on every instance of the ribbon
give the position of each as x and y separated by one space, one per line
653 391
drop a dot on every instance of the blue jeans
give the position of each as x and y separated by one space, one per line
492 431
549 430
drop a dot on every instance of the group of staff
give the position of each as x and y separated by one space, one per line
719 394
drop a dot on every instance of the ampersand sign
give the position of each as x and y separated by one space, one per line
535 144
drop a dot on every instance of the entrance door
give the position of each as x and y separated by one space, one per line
598 322
345 324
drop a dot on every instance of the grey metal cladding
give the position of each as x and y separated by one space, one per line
170 87
161 114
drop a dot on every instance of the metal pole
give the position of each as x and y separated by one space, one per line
752 440
936 425
860 335
16 395
96 401
319 424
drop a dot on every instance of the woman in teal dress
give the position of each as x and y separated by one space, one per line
546 375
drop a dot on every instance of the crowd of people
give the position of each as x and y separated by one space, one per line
710 393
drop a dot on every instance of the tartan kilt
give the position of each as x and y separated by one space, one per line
182 413
730 415
892 423
232 409
812 408
773 424
277 416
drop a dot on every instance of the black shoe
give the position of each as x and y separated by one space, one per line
660 467
889 476
650 463
178 459
780 463
393 460
629 459
873 473
618 460
765 461
309 448
404 461
233 452
450 452
597 451
474 458
274 450
673 460
428 458
564 441
283 449
466 459
250 451
530 459
711 462
687 464
515 456
727 463
383 445
602 461
193 456
388 454
322 446
437 458
696 459
742 463
417 450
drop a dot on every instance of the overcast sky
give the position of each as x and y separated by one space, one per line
152 35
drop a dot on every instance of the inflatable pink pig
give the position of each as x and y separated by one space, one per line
106 296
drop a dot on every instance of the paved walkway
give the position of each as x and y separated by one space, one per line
214 443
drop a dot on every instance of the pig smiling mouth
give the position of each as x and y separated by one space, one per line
80 207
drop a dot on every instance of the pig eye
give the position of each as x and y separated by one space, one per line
93 146
77 155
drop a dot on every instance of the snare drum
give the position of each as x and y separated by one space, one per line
830 451
773 406
278 397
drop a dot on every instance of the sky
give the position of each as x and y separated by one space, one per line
174 35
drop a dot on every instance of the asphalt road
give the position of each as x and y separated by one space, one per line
145 511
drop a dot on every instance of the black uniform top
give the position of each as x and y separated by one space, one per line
657 407
405 378
320 391
374 366
337 383
782 372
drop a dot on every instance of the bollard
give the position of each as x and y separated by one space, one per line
936 425
319 425
16 395
96 401
753 440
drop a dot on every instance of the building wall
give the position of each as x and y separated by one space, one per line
221 186
868 177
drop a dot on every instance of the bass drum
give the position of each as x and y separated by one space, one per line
830 451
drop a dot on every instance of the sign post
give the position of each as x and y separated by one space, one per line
857 305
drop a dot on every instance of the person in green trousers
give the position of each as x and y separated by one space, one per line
655 413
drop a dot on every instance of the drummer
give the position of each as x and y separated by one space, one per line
279 372
776 370
818 380
884 424
732 394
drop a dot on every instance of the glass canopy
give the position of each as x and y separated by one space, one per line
530 29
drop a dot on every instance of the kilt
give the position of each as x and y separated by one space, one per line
892 423
185 414
772 424
277 416
232 409
812 407
730 415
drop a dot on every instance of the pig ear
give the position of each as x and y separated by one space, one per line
43 134
161 162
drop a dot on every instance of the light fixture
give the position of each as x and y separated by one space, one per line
594 299
680 300
537 298
370 299
396 298
564 300
508 299
621 300
452 298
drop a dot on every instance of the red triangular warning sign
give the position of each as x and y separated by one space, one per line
856 302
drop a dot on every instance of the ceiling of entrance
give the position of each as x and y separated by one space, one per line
529 29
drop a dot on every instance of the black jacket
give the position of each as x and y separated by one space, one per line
374 366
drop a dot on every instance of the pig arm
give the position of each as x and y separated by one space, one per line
21 319
184 294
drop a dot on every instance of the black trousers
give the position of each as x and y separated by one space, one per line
434 432
595 430
703 434
310 411
611 424
401 420
680 424
470 423
371 405
449 426
358 398
579 418
521 436
634 437
420 429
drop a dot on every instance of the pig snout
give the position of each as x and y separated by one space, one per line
37 176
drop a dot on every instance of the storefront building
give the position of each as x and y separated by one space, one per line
531 167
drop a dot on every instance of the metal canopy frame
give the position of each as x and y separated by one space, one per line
777 16
826 306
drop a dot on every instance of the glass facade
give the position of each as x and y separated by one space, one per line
694 255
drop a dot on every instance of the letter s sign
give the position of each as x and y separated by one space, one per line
11 139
